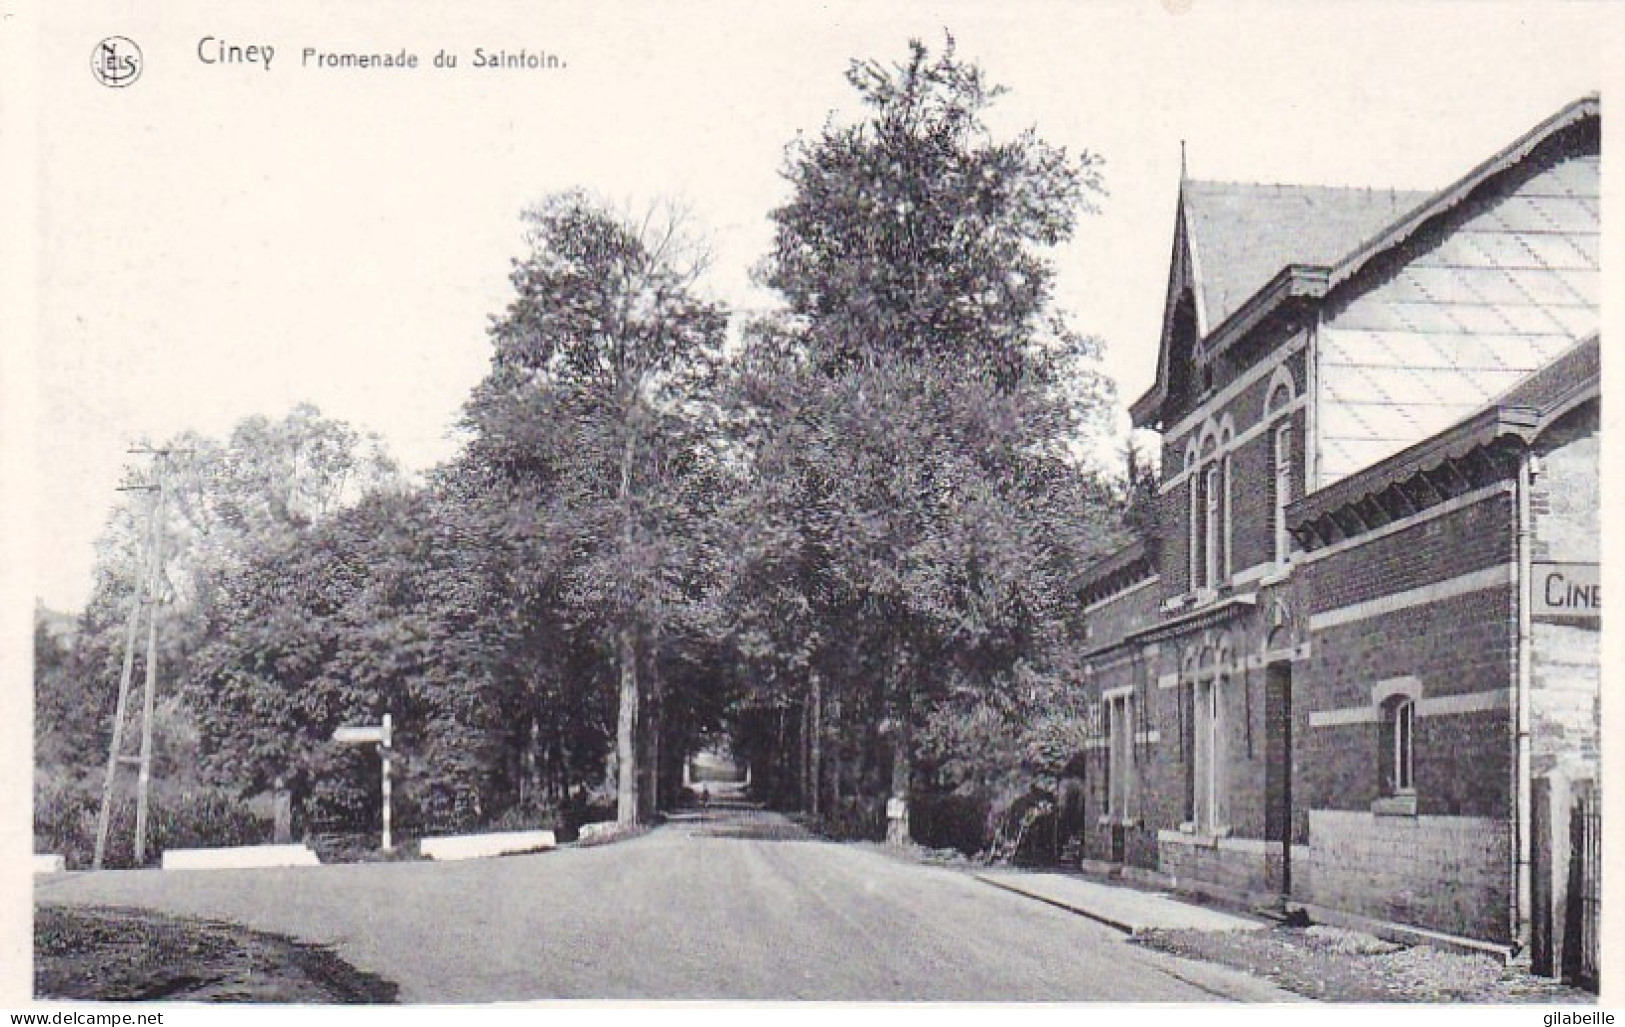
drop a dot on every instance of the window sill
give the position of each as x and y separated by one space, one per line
1178 603
1107 820
1403 805
1283 572
1201 838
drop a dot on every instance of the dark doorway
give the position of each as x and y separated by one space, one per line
1278 773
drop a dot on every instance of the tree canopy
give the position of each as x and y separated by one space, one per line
850 530
911 419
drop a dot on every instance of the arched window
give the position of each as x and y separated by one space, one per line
1226 440
1278 406
1279 396
1193 548
1281 490
1399 746
1396 703
1212 522
1120 768
1209 506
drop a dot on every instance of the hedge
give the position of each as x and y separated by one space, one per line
65 814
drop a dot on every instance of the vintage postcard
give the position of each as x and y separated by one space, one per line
885 504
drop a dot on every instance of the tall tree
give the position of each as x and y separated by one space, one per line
594 402
227 499
914 416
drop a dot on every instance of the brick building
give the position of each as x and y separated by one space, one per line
1354 664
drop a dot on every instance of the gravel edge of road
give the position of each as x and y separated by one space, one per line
118 954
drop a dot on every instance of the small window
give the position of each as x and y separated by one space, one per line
1283 489
1399 746
1194 483
1213 528
1404 747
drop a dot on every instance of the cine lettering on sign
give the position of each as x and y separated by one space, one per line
1565 591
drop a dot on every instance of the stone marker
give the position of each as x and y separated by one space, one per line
240 857
49 863
476 846
282 815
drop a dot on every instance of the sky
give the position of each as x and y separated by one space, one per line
220 240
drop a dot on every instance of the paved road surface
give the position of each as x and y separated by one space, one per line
735 905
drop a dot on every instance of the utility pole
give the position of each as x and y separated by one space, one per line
147 594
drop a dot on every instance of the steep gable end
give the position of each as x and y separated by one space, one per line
1231 239
1245 233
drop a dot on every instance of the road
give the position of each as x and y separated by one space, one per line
732 905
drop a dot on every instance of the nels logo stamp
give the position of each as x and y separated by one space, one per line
116 62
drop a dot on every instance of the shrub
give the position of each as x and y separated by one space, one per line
853 819
950 820
65 815
1025 829
528 816
582 808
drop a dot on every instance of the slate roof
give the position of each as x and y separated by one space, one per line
1244 233
1509 283
1524 412
1555 384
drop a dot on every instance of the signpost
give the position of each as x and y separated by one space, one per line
379 735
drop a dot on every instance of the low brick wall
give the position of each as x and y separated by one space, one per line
1227 867
1444 873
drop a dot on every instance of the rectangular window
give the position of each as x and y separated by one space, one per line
1283 489
1210 753
1211 532
1120 769
1404 746
1195 534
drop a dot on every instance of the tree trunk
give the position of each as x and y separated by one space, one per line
649 734
902 773
627 808
815 739
803 758
626 727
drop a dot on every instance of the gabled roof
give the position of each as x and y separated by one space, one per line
1244 233
1234 240
1248 248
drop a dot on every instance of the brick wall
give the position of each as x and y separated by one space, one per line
1468 539
1224 867
1566 497
1566 673
1458 645
1251 482
1450 874
1112 619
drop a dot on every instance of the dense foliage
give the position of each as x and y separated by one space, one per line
850 537
911 423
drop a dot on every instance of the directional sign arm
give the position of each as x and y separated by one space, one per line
359 735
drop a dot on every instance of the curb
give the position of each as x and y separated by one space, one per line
1099 918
